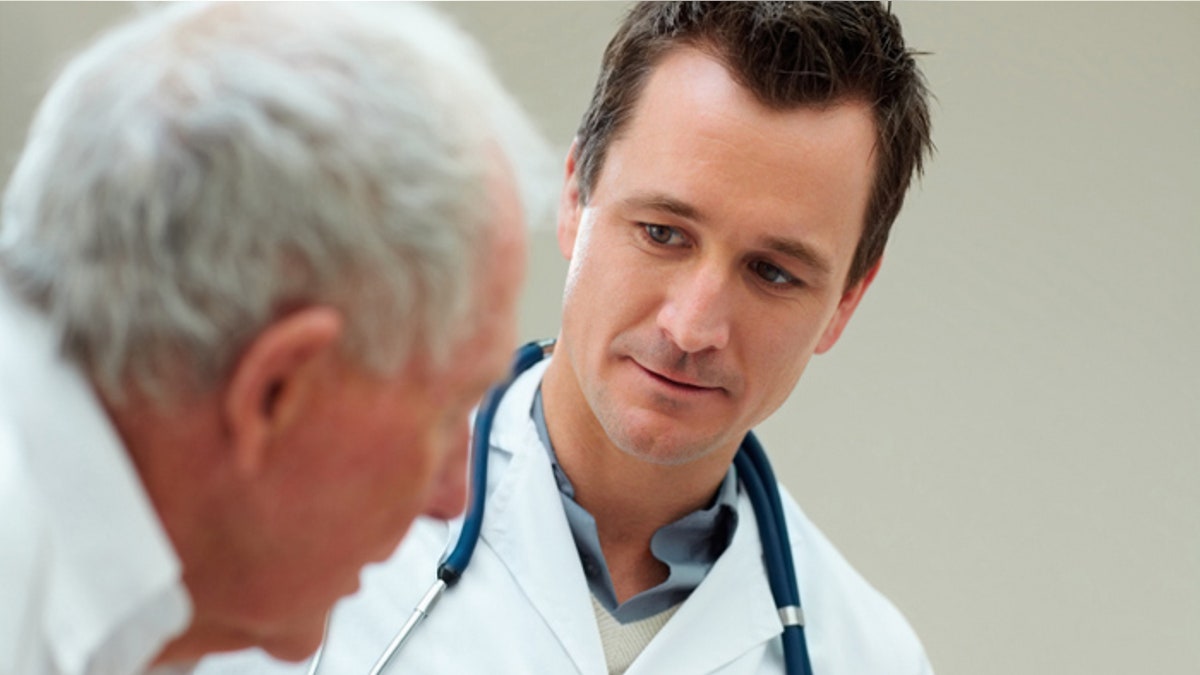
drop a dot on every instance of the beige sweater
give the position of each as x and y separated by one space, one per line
623 643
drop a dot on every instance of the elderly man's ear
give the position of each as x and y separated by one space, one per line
277 378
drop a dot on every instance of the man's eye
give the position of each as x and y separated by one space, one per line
661 234
772 274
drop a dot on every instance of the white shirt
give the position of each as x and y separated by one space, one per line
524 606
89 582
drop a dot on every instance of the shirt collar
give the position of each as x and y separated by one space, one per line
689 546
114 594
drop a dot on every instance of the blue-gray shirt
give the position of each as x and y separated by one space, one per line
688 547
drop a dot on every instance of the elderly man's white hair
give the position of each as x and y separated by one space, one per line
206 168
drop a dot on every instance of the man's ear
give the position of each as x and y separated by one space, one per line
275 380
569 208
845 309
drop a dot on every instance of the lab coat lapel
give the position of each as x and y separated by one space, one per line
729 614
527 528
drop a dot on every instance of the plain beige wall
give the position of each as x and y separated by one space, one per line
1007 440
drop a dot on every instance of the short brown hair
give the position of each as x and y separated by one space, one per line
787 54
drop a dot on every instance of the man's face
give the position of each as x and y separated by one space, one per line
378 453
710 261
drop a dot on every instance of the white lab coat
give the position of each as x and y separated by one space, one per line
89 583
523 605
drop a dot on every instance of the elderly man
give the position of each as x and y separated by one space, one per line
258 262
726 206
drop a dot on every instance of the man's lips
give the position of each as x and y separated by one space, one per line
678 380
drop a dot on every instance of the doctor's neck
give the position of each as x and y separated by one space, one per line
630 497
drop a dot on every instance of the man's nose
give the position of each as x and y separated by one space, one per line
449 493
696 312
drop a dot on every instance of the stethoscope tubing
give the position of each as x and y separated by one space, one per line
457 560
756 474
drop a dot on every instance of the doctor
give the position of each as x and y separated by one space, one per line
726 205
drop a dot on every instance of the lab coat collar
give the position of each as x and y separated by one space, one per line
717 630
524 506
115 595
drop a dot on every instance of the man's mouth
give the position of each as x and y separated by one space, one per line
680 381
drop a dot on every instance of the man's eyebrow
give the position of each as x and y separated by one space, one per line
658 201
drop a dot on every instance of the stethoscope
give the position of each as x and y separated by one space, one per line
757 478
